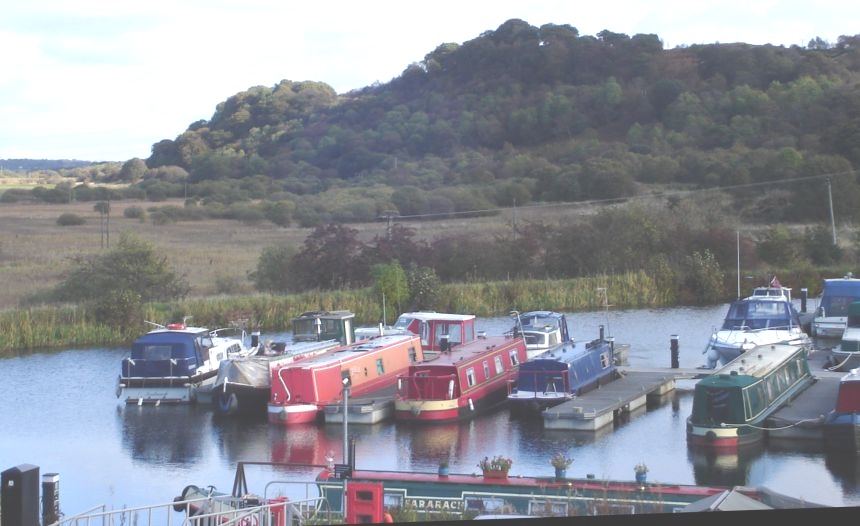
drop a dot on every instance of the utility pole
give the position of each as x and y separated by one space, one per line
830 202
389 215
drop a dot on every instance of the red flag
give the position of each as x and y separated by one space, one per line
775 283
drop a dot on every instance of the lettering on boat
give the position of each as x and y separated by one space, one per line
433 504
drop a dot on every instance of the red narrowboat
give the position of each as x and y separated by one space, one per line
301 389
461 382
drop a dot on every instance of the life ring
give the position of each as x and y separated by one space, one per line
176 326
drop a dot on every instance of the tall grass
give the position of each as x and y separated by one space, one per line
70 326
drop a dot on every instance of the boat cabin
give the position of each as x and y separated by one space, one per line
836 296
172 353
438 331
760 312
324 325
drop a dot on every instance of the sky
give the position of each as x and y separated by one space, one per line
104 80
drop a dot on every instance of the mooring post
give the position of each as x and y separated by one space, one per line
673 345
50 498
804 292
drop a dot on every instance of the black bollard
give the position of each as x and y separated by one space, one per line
50 498
601 333
803 294
674 347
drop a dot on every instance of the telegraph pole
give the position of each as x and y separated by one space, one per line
830 202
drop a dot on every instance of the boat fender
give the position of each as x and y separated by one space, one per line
711 436
416 410
228 404
186 491
471 405
450 389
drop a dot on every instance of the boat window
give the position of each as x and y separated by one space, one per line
470 377
547 508
598 507
498 363
514 358
554 339
413 355
424 331
491 504
156 352
380 368
486 369
604 360
392 500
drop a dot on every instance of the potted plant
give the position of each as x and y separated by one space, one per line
561 462
496 467
443 467
641 470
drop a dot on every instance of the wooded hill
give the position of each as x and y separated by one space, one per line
524 114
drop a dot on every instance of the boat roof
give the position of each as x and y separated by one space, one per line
333 314
339 354
432 315
465 351
758 361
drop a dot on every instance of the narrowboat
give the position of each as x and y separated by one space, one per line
841 426
542 330
176 364
561 374
459 382
767 316
339 493
846 356
243 384
832 312
302 389
731 405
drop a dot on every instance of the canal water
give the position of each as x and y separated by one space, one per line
59 411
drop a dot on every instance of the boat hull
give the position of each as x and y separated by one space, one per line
159 391
842 432
293 414
444 411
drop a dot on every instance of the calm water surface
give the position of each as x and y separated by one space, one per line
59 411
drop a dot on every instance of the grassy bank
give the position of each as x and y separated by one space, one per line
68 327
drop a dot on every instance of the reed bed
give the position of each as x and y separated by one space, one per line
24 330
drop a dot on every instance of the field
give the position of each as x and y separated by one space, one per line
36 253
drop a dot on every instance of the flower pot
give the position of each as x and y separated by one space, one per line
495 474
560 473
641 477
443 471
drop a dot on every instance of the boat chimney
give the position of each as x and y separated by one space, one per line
255 339
804 293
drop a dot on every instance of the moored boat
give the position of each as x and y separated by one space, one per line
841 426
243 384
438 330
837 294
766 317
731 405
846 355
460 382
561 374
542 330
302 389
175 364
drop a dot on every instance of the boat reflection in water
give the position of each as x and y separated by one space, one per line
724 467
168 434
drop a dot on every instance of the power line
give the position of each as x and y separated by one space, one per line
624 199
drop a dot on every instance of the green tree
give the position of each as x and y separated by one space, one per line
273 269
390 284
116 283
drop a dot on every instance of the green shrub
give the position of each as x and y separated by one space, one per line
69 219
135 212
